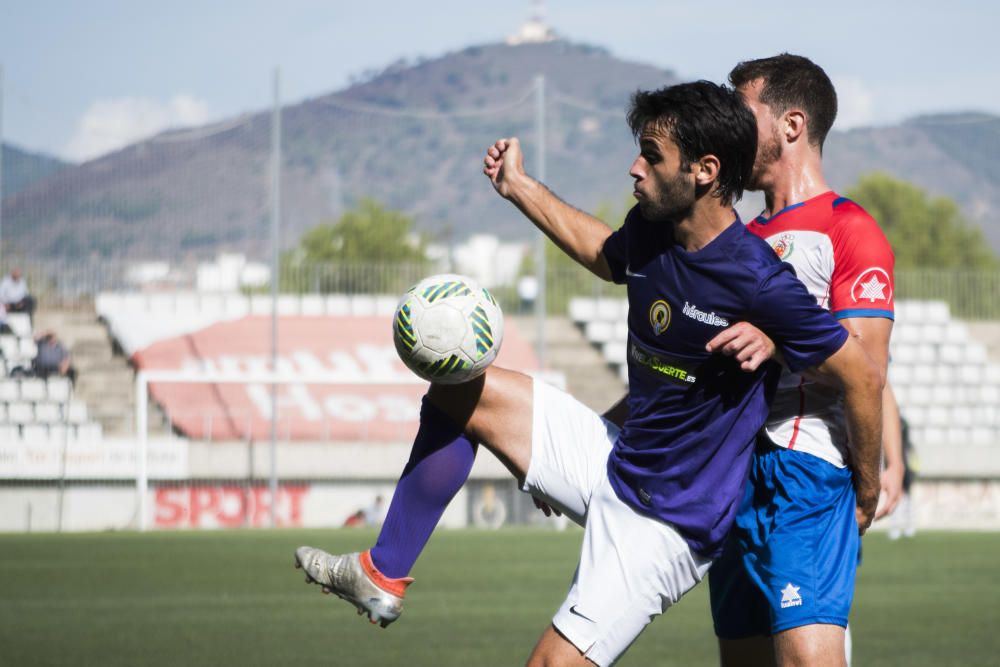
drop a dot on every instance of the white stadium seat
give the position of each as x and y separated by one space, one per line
59 389
945 373
991 374
932 333
9 433
20 324
943 395
48 413
599 331
927 353
919 395
970 374
35 433
936 312
937 416
89 432
980 436
34 389
975 353
10 390
952 353
582 309
20 412
960 414
9 347
923 374
957 436
28 348
900 374
611 309
77 412
615 352
955 332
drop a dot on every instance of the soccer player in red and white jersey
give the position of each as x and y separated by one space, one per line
782 591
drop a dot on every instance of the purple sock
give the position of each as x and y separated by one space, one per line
439 464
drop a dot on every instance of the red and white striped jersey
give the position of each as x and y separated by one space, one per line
845 261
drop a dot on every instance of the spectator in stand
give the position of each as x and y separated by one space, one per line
14 294
52 358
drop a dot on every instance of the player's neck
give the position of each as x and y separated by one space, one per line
792 182
707 220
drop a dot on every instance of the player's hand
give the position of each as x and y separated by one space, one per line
892 491
504 165
744 342
547 509
864 512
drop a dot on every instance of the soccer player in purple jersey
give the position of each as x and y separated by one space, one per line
782 591
657 496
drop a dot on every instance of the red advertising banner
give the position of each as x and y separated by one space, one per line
355 350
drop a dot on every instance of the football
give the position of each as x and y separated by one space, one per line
447 329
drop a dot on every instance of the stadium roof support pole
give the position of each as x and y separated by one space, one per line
275 277
540 242
141 473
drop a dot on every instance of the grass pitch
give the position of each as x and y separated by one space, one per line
481 598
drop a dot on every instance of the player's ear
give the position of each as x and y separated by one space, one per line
706 170
794 124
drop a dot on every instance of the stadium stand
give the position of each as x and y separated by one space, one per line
344 338
36 410
946 385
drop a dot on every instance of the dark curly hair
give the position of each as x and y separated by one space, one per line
702 118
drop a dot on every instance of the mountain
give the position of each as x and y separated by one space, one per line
955 155
22 169
413 137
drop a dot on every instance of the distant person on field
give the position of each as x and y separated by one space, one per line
52 358
14 294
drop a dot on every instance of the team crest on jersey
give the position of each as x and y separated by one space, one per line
784 246
872 285
659 316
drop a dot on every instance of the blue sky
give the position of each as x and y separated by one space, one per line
82 78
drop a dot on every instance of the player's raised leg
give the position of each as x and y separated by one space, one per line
495 409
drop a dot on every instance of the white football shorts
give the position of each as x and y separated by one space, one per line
632 567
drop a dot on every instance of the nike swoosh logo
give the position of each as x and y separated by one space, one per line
630 274
573 611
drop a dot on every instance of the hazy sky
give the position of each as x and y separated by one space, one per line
84 77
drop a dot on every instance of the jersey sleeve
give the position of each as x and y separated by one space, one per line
862 283
805 332
616 249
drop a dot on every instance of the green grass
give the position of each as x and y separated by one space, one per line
481 598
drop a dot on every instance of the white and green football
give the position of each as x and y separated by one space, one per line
447 329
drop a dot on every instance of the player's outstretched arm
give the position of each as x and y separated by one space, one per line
578 234
854 371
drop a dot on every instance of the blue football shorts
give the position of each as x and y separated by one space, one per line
791 557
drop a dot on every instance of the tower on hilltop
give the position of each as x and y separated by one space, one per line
535 29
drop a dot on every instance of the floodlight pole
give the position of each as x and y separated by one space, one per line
1 164
540 241
275 277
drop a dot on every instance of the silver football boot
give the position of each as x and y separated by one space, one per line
353 577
